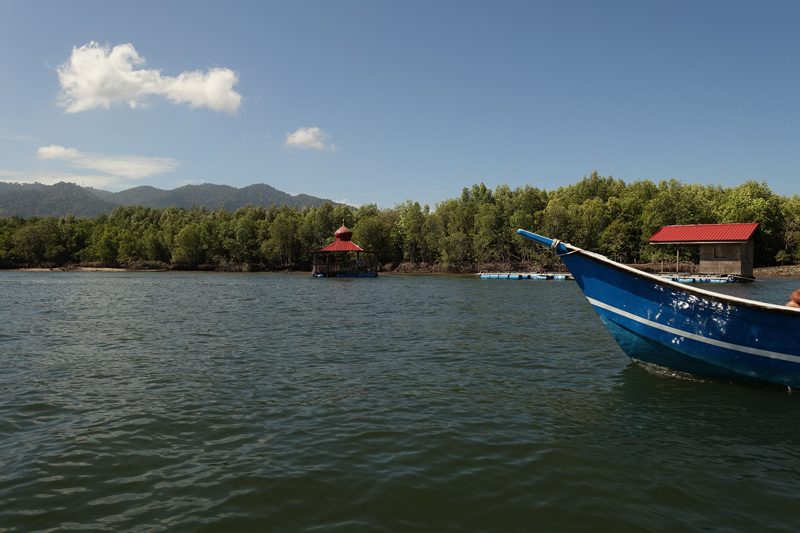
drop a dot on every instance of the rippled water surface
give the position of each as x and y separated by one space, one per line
253 402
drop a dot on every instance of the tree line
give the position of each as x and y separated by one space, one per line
598 213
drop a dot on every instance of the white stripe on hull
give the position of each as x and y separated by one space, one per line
694 336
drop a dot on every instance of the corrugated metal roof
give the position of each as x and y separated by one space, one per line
342 246
704 233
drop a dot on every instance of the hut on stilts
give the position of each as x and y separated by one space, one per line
726 250
344 259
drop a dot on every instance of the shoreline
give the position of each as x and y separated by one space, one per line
786 271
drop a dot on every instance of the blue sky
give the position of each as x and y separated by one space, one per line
386 101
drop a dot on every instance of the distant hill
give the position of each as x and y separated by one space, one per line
57 200
62 199
209 195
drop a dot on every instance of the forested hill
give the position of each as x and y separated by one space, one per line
63 199
211 196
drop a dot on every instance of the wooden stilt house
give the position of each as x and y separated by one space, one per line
725 249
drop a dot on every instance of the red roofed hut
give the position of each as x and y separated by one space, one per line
342 258
725 249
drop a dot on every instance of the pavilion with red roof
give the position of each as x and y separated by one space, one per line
342 258
725 249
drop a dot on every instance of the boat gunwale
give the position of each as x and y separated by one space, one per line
678 287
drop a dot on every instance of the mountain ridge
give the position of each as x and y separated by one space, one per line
64 198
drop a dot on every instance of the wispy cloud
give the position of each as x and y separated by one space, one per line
110 171
309 138
126 166
10 136
347 202
50 178
181 183
97 76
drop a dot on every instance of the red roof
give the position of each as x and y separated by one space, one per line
342 243
704 233
342 246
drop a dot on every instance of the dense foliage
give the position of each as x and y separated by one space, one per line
598 213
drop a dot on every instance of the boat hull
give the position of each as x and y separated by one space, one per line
685 328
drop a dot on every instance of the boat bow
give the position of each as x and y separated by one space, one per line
686 328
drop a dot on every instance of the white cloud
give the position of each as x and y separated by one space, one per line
127 166
311 138
57 152
97 76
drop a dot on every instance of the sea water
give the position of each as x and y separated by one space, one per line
275 402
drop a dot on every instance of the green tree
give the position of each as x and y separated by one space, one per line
790 230
491 238
103 245
755 202
283 243
189 247
153 247
128 246
375 233
409 229
30 243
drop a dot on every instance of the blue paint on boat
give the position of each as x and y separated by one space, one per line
666 323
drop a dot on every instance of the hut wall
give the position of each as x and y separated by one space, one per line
727 258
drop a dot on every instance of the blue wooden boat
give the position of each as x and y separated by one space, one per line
685 328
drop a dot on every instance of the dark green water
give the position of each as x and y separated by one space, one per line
221 402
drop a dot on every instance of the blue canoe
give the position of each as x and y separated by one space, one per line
684 328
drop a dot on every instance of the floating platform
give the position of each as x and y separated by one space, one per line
556 276
347 275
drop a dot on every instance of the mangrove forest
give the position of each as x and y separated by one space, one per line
464 233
